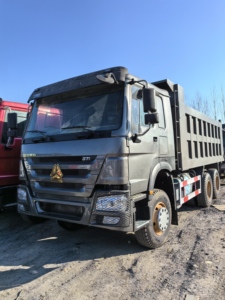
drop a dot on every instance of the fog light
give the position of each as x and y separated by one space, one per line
112 203
21 194
110 220
21 207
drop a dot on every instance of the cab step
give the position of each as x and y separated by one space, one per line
140 223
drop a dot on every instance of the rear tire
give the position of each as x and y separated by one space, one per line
69 226
155 233
215 182
205 198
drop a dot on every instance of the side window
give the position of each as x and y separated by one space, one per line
21 121
160 111
138 116
5 128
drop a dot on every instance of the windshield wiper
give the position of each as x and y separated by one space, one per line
90 132
39 131
44 137
78 126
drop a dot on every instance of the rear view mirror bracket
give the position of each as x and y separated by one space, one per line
12 129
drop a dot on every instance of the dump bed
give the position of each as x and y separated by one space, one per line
198 138
201 139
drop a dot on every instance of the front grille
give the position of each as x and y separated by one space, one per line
62 185
66 172
78 176
61 159
74 212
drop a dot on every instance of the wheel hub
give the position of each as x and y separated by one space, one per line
163 218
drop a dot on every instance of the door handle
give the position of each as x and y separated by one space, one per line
155 139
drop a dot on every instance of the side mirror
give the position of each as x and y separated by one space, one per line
12 128
152 118
12 121
149 96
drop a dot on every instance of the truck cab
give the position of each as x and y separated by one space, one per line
10 146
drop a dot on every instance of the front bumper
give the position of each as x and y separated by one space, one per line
80 210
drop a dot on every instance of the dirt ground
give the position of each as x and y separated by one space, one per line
40 262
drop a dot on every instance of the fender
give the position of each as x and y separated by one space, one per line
157 168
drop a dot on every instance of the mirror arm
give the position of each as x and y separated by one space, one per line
8 143
135 136
138 81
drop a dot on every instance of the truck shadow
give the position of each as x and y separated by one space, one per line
31 251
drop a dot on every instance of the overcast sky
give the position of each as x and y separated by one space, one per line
44 41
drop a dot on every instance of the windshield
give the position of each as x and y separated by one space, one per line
75 113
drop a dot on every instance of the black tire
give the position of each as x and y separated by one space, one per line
69 226
205 198
32 219
215 182
192 203
155 233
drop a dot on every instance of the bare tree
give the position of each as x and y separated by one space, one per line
214 100
223 103
212 106
201 104
196 102
205 107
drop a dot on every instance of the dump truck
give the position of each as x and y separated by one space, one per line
111 150
11 137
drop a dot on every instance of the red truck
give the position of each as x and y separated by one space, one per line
12 122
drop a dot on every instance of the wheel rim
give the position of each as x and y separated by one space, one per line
217 183
209 189
160 218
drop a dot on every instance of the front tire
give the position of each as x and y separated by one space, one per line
32 219
69 226
155 233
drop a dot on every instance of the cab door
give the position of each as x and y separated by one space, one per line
144 150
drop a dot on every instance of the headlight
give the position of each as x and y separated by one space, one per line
21 174
112 203
21 194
